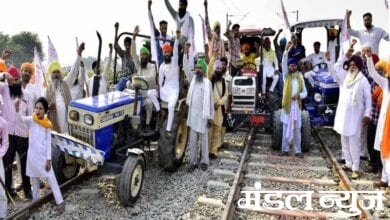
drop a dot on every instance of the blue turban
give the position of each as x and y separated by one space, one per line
282 41
292 60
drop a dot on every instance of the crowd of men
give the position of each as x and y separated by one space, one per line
361 117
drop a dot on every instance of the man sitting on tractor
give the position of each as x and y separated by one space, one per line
248 56
147 71
270 64
168 81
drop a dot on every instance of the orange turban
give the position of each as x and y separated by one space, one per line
167 47
28 66
388 69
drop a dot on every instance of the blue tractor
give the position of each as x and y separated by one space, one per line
323 95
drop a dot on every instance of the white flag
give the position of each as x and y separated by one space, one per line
203 29
52 52
344 36
38 73
287 24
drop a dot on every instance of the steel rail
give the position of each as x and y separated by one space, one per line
234 192
346 183
26 211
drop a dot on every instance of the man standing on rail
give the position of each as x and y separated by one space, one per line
294 91
353 109
200 112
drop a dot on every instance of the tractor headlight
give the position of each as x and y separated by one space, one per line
74 115
236 90
88 119
317 97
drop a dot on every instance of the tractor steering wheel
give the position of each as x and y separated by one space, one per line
145 84
249 65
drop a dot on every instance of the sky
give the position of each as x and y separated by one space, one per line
64 20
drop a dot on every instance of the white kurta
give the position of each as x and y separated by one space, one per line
295 87
354 103
61 112
195 119
39 148
384 84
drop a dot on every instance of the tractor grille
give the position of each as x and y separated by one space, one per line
82 133
331 98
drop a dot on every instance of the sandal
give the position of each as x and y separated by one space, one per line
355 175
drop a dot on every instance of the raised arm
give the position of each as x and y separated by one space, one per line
285 60
133 49
380 80
72 75
186 67
151 19
351 31
170 9
82 76
107 65
276 44
207 22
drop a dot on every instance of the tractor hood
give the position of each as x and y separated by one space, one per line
104 102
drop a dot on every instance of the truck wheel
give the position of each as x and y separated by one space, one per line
306 131
63 171
171 149
131 180
277 130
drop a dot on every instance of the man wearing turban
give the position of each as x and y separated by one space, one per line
216 44
200 111
147 71
58 92
168 81
353 109
27 71
249 54
185 24
270 63
294 90
220 96
18 131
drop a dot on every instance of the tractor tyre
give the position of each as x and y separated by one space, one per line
131 180
277 130
62 170
305 131
171 148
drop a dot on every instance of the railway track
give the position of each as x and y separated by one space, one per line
246 162
256 168
24 212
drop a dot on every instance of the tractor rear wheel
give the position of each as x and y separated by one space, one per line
171 148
